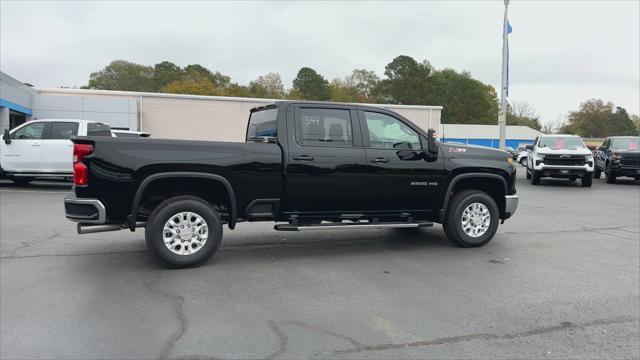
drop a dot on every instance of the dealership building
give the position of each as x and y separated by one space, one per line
194 117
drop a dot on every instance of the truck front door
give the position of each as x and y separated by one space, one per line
24 152
325 165
399 181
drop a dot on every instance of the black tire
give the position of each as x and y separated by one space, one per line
453 222
171 207
596 172
587 181
572 179
528 174
21 180
535 177
610 176
523 161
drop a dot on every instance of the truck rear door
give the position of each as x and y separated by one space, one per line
57 149
326 164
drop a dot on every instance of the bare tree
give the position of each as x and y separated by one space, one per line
523 109
554 126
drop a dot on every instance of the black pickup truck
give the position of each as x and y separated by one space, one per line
306 165
618 156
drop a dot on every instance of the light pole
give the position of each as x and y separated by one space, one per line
502 114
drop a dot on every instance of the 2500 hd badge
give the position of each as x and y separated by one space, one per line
351 167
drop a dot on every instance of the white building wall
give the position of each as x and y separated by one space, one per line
118 112
180 116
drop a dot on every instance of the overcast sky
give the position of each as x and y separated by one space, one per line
561 52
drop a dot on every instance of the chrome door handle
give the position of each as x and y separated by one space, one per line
303 158
380 160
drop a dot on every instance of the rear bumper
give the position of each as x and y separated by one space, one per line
510 205
82 210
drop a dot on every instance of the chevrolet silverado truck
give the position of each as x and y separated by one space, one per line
559 156
305 166
43 149
618 156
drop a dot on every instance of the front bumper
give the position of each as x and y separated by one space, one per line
625 170
84 210
510 205
560 171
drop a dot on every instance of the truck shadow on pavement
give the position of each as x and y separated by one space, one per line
37 185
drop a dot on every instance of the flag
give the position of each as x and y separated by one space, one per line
508 30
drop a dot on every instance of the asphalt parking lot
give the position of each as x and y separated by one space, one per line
560 280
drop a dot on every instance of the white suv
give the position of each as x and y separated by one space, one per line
41 148
559 156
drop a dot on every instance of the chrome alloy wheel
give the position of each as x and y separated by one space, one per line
476 219
185 233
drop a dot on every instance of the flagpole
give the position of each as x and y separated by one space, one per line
502 115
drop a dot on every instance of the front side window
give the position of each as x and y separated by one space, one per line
262 124
98 129
63 130
29 132
387 132
324 127
561 142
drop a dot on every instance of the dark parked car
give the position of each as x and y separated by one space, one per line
312 166
618 156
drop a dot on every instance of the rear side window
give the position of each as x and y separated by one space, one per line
98 129
63 130
262 125
324 127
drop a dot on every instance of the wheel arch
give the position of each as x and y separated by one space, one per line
497 190
144 184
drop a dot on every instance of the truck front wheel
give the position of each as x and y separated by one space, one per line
183 231
535 177
472 218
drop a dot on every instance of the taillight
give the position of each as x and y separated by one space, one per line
80 170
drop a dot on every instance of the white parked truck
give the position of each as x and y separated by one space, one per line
41 148
560 156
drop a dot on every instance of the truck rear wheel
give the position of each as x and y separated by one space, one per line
596 172
472 218
21 180
183 231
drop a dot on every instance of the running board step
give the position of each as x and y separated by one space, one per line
334 226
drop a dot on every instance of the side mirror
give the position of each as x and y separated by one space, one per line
6 137
409 155
432 145
529 147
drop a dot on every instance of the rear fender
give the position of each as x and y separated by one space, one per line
131 219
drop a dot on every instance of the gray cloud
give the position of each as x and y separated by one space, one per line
561 52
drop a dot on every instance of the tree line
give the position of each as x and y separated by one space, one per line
465 100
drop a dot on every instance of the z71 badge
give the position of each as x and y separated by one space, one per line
457 150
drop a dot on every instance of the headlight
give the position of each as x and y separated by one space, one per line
615 157
540 156
589 157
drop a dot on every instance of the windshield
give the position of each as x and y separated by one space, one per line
262 125
561 142
626 144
